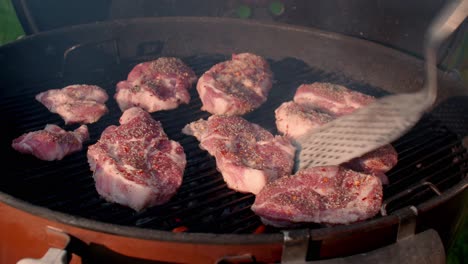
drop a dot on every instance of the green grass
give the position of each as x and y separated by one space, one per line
458 251
10 27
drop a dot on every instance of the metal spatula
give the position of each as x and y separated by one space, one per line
387 118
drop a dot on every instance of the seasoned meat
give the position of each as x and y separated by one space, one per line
136 164
294 120
376 162
156 85
82 104
331 98
326 195
52 143
237 86
247 155
308 111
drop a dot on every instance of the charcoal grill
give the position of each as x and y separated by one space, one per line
54 204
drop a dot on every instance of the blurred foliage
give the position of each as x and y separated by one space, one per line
458 252
244 11
276 8
10 27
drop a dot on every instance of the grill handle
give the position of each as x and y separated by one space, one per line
56 254
425 247
52 256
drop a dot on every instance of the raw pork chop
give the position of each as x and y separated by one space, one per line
237 86
156 85
332 98
307 112
327 195
52 143
247 155
82 104
135 164
376 162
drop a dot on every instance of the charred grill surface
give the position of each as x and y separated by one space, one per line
430 156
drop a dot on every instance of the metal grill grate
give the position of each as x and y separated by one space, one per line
429 154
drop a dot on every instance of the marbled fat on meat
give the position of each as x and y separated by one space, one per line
237 86
325 195
82 104
294 120
51 143
247 155
157 85
136 164
377 162
332 98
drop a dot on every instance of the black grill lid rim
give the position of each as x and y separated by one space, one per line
413 74
453 83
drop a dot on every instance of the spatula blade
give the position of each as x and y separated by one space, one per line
364 130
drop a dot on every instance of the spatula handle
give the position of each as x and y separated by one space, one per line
446 22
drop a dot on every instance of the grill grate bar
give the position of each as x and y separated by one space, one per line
417 197
195 177
72 164
182 212
187 200
245 225
429 152
228 223
424 174
205 185
419 132
448 171
415 158
413 141
421 146
225 207
19 99
55 202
